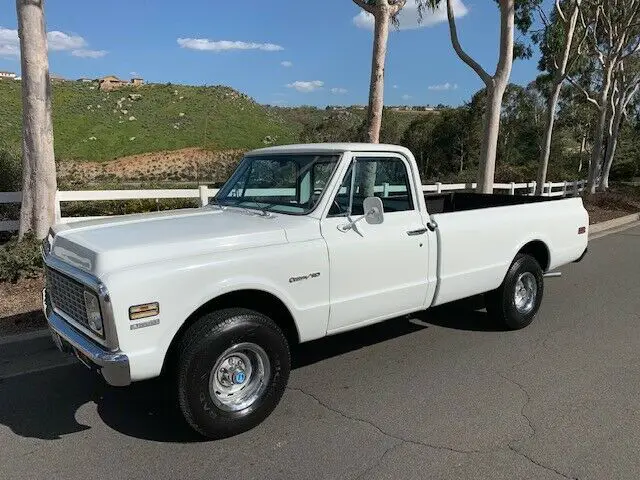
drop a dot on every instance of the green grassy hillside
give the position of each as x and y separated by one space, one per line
94 125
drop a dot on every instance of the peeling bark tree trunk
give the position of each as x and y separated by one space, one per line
376 86
612 143
383 11
495 88
548 134
583 147
38 165
489 146
558 78
595 163
620 108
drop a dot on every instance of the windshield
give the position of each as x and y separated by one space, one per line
287 183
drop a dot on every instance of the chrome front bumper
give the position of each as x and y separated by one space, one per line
113 366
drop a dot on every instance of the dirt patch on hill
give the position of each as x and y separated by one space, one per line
187 164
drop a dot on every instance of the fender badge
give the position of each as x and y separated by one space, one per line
304 277
148 323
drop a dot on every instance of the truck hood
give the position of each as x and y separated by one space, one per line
105 245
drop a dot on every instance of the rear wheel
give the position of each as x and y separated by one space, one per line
516 301
233 367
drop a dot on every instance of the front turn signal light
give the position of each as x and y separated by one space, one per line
145 310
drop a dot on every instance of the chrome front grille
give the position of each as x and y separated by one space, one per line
67 296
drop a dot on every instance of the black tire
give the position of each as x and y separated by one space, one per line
501 302
198 353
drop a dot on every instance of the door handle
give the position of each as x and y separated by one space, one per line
420 231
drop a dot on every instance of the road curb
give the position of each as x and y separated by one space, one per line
616 222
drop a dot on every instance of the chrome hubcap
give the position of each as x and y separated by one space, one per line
239 377
525 293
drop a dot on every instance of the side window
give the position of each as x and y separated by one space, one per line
386 178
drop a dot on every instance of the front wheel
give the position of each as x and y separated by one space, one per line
516 301
233 367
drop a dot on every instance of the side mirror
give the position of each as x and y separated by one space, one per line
373 210
373 213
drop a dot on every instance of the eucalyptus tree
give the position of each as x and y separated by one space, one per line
384 14
515 15
613 36
559 54
38 165
625 88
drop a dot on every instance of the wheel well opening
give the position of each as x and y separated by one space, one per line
538 250
257 300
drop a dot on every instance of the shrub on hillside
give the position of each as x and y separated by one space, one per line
20 259
11 168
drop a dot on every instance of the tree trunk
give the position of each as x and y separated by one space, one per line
495 91
596 154
488 148
548 134
583 147
37 213
376 86
558 78
612 143
598 132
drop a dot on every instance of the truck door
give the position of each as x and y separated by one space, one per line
376 271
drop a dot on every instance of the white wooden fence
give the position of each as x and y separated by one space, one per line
204 193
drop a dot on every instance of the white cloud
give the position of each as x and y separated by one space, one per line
222 45
134 74
61 41
57 42
338 91
406 96
395 87
306 87
286 64
444 86
408 16
82 53
9 45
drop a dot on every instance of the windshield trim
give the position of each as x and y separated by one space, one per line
240 169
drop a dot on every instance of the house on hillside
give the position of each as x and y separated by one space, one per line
137 81
7 75
110 82
86 80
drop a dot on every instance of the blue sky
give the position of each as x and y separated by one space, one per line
291 53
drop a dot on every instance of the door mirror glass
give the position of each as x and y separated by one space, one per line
373 210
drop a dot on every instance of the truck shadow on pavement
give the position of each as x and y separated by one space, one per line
52 403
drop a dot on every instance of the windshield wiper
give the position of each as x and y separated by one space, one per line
262 207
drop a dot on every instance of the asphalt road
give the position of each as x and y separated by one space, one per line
444 395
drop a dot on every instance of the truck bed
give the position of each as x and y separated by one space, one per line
461 201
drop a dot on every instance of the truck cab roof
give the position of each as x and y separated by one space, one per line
331 148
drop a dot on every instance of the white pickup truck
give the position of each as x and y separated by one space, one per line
303 241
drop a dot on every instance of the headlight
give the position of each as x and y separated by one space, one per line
92 306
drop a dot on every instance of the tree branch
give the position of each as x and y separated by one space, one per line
364 5
507 27
453 31
543 16
560 12
396 7
635 49
587 97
